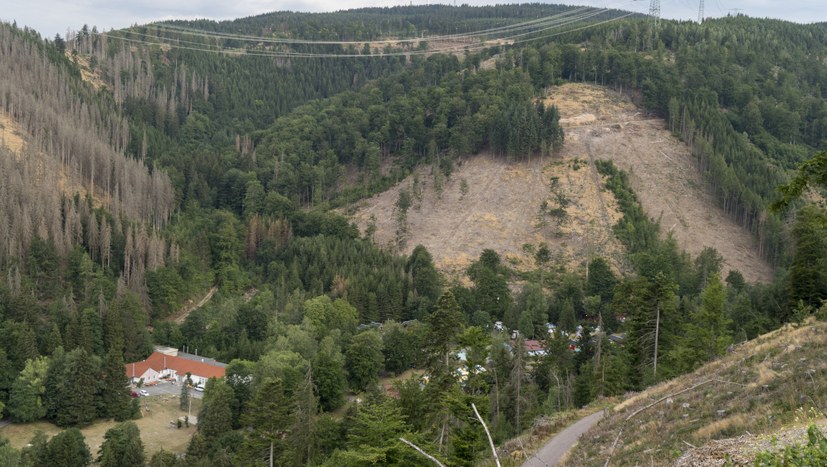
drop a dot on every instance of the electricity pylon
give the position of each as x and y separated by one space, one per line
654 10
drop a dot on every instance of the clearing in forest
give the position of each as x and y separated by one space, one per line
508 207
511 207
602 124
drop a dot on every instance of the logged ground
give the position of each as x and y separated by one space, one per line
600 124
502 211
503 206
156 431
769 387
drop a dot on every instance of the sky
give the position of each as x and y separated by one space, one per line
51 17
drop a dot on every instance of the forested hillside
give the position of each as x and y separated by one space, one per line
215 160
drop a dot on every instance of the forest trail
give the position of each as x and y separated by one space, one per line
185 311
556 449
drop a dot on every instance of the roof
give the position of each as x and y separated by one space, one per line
532 345
199 358
159 362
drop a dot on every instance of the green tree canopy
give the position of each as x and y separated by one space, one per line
122 446
364 360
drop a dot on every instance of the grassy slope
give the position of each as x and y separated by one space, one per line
156 432
763 386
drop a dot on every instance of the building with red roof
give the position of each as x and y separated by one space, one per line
167 363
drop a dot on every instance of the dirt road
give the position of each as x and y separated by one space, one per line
185 311
555 449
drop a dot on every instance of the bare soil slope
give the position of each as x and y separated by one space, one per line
561 200
501 210
600 124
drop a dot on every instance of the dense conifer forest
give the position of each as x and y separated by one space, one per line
184 167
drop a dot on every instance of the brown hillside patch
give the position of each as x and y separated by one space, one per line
11 134
504 206
502 210
92 77
601 124
14 137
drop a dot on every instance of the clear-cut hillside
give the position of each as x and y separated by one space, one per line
503 207
600 124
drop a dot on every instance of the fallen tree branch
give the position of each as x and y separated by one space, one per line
702 383
490 441
434 459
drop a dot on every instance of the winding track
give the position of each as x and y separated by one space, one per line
554 450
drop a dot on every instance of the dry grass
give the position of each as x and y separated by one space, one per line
86 73
11 134
760 388
602 124
156 432
738 421
502 208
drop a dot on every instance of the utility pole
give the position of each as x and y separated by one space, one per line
701 12
654 10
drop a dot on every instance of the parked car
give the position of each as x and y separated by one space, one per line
144 392
134 394
198 388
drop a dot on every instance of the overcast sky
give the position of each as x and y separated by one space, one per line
54 16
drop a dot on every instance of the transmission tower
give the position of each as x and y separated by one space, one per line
701 11
654 10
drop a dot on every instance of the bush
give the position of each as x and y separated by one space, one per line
813 453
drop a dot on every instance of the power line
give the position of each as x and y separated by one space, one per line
534 27
473 34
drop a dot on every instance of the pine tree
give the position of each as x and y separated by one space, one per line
364 360
122 446
79 405
184 402
303 437
216 416
706 335
55 384
68 448
114 389
268 420
568 320
808 271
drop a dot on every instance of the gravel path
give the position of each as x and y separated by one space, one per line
554 450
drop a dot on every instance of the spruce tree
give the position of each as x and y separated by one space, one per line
364 360
216 416
121 446
267 420
114 388
80 402
68 449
